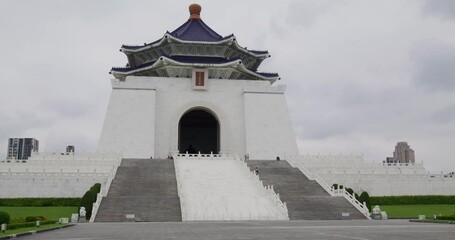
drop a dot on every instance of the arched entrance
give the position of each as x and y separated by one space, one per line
199 131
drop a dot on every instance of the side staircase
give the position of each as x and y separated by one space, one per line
146 188
305 199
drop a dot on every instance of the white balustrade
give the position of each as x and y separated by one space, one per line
104 191
361 207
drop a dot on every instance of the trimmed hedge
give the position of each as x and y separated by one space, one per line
39 202
29 224
96 188
31 218
4 217
365 197
411 200
451 217
89 198
87 202
17 220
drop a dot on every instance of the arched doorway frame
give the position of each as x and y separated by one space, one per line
212 109
213 115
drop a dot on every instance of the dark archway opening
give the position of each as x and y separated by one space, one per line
199 131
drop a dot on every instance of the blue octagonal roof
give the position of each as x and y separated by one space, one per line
196 30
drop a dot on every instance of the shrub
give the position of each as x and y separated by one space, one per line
29 224
96 188
335 186
21 225
357 196
36 218
87 202
17 220
450 217
350 191
89 198
31 219
365 197
39 202
4 217
410 200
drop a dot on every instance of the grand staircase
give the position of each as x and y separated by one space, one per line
305 198
224 189
146 188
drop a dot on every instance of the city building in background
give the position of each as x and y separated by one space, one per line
70 149
21 148
402 154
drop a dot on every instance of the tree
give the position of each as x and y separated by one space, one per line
87 202
4 217
365 197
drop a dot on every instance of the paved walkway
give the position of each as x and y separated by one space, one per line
328 230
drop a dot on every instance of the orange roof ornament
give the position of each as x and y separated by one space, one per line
195 11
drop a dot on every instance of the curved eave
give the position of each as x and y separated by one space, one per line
164 61
168 38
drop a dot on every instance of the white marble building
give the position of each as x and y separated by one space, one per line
143 117
195 91
195 88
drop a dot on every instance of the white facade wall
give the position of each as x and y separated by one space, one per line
56 175
377 179
173 97
129 126
46 186
269 131
394 185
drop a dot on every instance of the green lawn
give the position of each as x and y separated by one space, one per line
53 213
413 211
22 230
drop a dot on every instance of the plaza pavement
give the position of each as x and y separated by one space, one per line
327 230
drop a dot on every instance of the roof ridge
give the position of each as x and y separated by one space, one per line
184 26
210 30
196 30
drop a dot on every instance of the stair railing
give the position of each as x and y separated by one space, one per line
175 156
278 213
269 191
105 188
314 177
305 171
361 207
96 206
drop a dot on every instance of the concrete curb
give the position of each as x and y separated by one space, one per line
432 221
12 236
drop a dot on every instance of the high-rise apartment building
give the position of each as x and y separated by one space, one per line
21 148
403 153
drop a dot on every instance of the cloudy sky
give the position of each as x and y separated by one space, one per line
361 75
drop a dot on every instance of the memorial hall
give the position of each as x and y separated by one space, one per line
195 132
